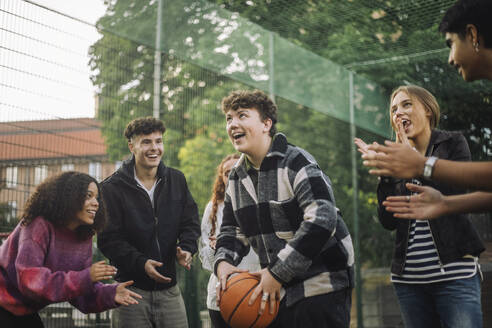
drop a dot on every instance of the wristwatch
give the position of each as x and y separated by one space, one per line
429 166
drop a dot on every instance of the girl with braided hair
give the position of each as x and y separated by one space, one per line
48 256
211 221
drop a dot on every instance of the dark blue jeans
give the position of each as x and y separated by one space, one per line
450 304
330 310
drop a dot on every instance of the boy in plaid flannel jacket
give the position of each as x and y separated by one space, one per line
279 202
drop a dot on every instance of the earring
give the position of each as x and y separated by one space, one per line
476 46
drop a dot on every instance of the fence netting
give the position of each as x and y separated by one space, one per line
68 88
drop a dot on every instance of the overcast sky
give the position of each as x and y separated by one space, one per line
87 10
44 71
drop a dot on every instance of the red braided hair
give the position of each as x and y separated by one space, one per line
218 192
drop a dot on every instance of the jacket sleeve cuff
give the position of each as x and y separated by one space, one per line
276 277
281 272
141 266
86 283
108 296
217 261
186 247
387 180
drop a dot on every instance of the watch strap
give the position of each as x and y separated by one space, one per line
429 166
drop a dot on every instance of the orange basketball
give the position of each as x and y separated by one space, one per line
234 306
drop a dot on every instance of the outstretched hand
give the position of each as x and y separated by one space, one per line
125 296
102 271
150 269
394 159
427 204
184 258
362 147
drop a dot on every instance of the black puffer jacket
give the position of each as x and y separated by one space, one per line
135 232
454 235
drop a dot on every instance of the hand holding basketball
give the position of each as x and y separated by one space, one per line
236 306
268 288
224 270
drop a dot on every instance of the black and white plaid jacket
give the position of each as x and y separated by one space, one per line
291 222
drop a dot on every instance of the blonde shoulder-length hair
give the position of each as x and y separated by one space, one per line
424 97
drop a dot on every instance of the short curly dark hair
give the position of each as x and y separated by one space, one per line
59 198
143 126
252 99
464 12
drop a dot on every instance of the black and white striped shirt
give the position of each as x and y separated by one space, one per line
422 263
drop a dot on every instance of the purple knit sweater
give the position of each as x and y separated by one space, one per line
42 264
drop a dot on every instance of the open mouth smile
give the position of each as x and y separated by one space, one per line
405 123
238 135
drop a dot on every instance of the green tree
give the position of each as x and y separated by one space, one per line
391 43
199 157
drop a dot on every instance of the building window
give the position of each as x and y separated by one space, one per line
12 211
95 170
11 177
67 167
40 173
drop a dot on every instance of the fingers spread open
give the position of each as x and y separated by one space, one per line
255 294
273 300
265 297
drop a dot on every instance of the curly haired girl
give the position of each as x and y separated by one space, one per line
48 256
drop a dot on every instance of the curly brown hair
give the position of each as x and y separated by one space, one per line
218 192
252 99
59 198
143 126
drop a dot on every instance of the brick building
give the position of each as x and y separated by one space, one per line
30 151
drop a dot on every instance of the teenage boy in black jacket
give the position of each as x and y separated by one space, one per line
153 222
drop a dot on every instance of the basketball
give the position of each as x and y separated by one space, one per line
234 306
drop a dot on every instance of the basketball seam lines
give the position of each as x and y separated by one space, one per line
239 303
254 322
235 282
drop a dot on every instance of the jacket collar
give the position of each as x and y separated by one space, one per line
437 136
128 167
277 148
